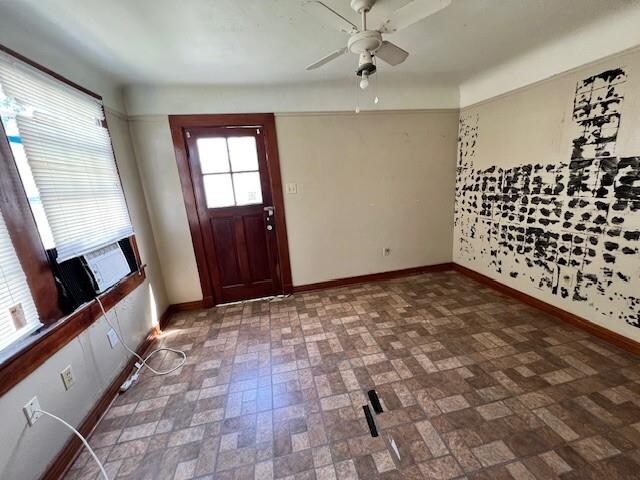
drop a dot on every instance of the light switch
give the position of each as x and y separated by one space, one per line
292 188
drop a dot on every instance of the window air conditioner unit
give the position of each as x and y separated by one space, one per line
108 266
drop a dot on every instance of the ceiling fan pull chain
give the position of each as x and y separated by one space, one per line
375 85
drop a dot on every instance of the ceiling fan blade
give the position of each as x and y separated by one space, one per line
411 13
391 53
329 16
328 58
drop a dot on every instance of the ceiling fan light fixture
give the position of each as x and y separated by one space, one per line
366 66
364 82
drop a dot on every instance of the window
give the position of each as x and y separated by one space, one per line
18 315
63 200
65 232
229 166
66 163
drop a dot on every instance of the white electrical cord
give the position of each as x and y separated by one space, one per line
270 299
143 361
86 444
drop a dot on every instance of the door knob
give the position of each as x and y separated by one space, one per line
269 211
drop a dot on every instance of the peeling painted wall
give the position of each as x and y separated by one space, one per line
564 227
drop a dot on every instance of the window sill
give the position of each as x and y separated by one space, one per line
20 359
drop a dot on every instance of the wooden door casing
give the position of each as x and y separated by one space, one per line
222 277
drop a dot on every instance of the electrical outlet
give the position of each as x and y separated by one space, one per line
113 338
31 411
67 377
292 188
17 316
386 251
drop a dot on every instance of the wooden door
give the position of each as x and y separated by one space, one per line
234 200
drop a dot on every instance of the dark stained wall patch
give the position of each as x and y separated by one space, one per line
571 229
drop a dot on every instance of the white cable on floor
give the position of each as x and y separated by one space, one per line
271 298
143 361
86 444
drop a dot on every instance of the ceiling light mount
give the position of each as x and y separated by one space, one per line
366 66
362 5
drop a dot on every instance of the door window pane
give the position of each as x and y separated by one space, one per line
213 154
247 188
243 153
218 190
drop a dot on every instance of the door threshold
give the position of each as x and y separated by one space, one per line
271 298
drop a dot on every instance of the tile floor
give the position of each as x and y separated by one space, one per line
474 384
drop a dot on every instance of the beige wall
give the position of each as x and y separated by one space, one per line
321 96
365 182
26 451
159 172
536 126
136 203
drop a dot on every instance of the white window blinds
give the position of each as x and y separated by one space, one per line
70 155
18 315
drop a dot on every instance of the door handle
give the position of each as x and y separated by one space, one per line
269 211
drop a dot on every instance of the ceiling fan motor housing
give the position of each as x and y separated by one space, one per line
365 42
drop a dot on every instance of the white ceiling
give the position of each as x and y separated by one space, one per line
269 42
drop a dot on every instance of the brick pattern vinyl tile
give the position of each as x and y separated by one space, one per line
473 384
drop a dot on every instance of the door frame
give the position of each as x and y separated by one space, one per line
178 124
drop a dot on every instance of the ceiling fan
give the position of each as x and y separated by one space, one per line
369 44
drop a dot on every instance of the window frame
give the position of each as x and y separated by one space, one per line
22 357
23 231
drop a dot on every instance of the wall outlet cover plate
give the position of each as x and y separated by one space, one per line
67 378
30 410
113 338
